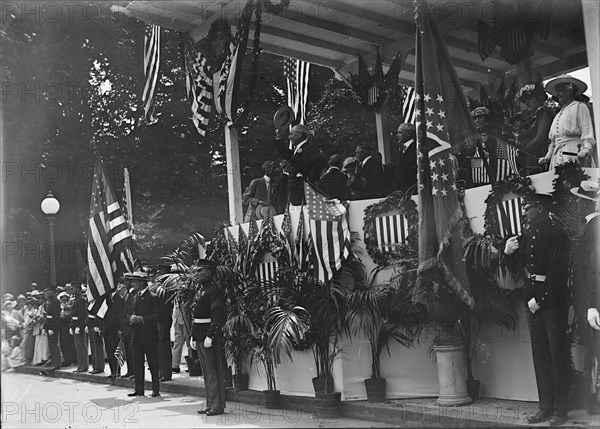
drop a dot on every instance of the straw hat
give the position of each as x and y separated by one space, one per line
579 85
587 189
284 117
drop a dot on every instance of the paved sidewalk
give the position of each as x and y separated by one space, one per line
415 412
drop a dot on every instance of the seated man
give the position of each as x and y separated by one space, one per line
261 193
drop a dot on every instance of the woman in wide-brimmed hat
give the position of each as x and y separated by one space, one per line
571 133
533 135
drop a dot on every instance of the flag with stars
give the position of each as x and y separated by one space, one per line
286 234
445 128
111 251
329 232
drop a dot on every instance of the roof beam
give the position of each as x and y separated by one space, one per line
152 18
304 56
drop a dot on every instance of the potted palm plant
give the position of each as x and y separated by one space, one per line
382 312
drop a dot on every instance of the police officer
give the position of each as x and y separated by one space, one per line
208 312
542 248
52 327
77 328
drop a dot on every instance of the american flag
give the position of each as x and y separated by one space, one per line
513 209
300 244
329 232
120 353
199 84
409 104
376 93
267 270
242 250
286 234
111 251
226 101
504 166
444 127
297 74
151 69
390 230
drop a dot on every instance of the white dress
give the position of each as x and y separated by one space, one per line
41 352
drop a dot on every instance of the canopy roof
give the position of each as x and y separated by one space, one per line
335 33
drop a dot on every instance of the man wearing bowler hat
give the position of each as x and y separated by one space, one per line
542 249
52 327
208 312
586 281
145 333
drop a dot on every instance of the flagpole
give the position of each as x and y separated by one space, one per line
128 198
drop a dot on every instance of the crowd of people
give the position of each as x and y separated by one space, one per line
538 138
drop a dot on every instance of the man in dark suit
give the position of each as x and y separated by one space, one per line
128 295
145 333
542 249
369 178
404 159
52 327
77 328
209 315
334 183
111 328
261 192
305 158
164 319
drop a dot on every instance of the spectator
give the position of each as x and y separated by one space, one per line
182 330
77 328
28 338
164 319
334 183
128 295
15 358
369 178
41 352
572 132
305 159
260 195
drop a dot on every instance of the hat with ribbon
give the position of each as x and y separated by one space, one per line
480 111
63 294
284 117
136 275
587 189
530 89
580 86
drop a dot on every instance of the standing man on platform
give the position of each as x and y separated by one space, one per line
542 249
77 328
209 316
145 333
52 327
111 328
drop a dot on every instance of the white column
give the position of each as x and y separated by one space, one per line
234 182
591 21
382 136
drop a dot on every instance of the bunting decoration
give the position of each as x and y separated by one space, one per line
409 105
151 69
297 74
111 250
329 232
373 90
242 250
444 127
301 253
227 99
286 234
199 85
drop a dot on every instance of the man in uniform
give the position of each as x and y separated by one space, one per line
111 330
77 328
52 327
128 295
542 249
96 344
145 333
209 316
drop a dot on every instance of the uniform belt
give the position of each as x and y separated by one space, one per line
74 318
48 317
537 277
91 317
202 320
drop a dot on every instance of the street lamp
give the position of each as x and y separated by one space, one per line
50 207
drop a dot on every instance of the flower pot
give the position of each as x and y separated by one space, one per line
452 375
194 367
319 383
240 382
473 389
271 399
327 405
375 389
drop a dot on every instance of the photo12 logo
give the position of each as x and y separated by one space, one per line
67 413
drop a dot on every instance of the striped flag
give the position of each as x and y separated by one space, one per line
409 105
513 210
110 243
199 84
151 69
120 353
300 245
390 231
507 160
329 232
297 74
242 250
226 101
286 234
267 270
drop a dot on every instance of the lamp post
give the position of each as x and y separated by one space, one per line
50 207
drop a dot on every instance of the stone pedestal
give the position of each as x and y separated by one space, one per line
452 376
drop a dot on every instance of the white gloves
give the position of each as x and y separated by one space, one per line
543 160
77 331
511 246
582 154
533 305
593 318
194 345
50 332
70 331
87 331
96 329
208 342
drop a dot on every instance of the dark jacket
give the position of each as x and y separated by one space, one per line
257 193
543 248
369 179
586 269
146 305
334 184
126 312
79 314
52 315
209 302
112 318
405 167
